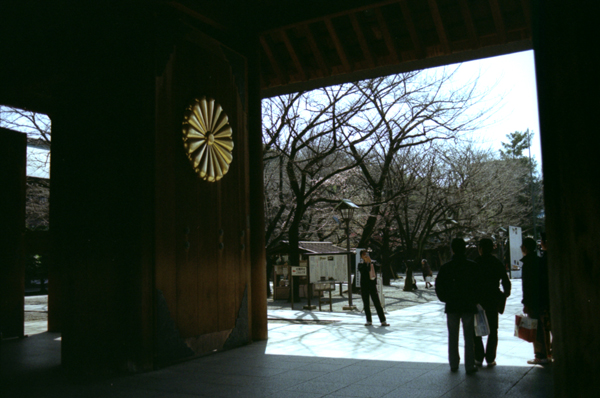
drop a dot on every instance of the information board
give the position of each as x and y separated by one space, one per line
330 266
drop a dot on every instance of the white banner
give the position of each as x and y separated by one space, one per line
357 260
516 255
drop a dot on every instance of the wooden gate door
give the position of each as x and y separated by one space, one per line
202 256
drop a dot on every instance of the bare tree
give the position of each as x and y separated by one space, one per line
409 110
307 134
447 191
35 125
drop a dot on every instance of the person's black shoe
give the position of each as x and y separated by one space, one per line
454 369
473 370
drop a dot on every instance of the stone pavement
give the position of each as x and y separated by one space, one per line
36 314
308 355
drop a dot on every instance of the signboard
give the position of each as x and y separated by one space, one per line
357 260
515 241
330 266
298 271
281 270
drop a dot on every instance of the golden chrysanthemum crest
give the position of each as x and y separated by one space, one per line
207 138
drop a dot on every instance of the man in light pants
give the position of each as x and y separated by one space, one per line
457 285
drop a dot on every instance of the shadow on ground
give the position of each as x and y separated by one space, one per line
30 368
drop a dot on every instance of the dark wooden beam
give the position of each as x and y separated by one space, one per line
399 67
361 39
411 29
439 26
315 49
338 44
526 5
498 21
196 15
293 54
371 6
387 37
272 59
468 17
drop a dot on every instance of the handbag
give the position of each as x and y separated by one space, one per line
525 327
482 327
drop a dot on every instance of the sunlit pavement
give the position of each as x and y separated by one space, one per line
322 354
416 334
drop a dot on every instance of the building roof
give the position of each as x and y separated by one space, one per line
308 248
320 247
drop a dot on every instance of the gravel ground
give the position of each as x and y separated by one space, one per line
395 297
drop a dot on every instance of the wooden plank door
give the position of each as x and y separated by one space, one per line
202 267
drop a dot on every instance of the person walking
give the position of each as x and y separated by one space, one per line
368 289
492 272
532 297
427 273
456 285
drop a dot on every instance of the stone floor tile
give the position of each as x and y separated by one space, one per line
366 391
317 387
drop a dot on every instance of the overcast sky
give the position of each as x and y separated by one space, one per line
512 80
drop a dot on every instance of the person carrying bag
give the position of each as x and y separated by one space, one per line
492 272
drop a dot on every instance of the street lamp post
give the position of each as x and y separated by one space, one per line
346 209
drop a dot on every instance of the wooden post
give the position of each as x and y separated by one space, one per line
13 150
257 216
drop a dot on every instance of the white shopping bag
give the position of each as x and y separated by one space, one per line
482 327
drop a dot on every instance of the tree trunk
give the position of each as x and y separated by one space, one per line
408 283
386 273
294 253
369 227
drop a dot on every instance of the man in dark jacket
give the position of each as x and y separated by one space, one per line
533 293
457 286
492 272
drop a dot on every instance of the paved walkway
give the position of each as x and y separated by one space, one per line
395 297
309 355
